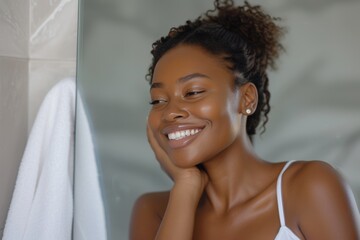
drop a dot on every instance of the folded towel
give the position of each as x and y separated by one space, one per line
42 203
41 207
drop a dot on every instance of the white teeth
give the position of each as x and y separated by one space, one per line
181 134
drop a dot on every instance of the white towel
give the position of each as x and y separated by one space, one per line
41 207
89 215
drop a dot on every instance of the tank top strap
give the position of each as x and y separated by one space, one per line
279 193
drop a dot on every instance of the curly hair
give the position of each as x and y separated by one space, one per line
245 36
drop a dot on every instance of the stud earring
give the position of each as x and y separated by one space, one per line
248 111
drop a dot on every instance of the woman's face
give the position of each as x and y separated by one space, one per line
195 112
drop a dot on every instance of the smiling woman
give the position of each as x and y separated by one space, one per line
209 93
194 97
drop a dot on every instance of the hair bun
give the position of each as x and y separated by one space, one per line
257 28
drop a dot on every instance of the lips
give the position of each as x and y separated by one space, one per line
180 136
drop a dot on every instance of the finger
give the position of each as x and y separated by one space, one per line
150 136
157 149
163 159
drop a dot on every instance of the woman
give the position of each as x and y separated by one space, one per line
209 92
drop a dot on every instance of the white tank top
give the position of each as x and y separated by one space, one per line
284 233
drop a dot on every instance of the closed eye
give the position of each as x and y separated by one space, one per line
193 93
157 101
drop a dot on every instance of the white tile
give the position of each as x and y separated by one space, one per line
53 29
14 28
13 126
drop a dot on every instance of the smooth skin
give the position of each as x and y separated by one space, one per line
222 189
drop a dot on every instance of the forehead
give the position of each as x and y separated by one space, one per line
183 60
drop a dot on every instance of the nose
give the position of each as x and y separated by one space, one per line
175 111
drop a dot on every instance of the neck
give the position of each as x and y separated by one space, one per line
235 175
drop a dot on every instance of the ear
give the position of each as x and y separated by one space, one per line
248 99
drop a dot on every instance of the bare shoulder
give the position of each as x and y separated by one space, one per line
318 201
147 213
310 175
155 202
312 181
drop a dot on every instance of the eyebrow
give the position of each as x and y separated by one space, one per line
181 79
156 85
191 76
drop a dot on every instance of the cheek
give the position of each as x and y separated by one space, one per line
209 108
217 111
224 125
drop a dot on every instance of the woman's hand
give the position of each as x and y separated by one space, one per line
189 184
193 177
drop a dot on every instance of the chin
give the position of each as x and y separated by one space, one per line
184 164
183 160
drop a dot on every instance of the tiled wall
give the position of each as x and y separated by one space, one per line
37 49
52 47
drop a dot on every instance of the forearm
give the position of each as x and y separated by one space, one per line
179 218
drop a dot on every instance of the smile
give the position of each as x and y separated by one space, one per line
182 134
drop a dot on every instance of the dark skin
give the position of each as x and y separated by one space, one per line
222 189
